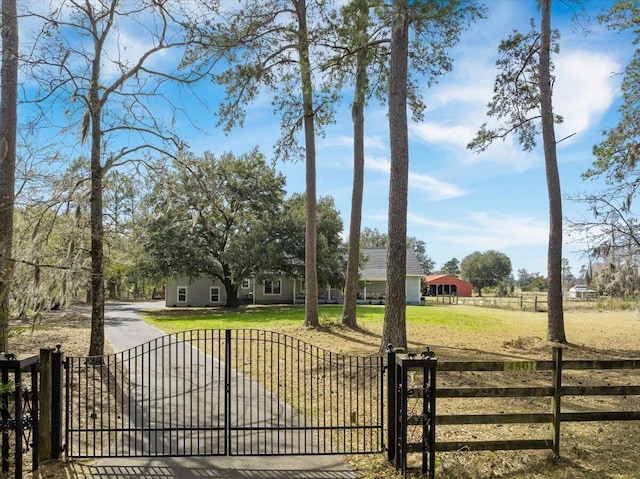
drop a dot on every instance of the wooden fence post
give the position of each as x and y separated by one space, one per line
556 400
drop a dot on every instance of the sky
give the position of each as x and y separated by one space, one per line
460 201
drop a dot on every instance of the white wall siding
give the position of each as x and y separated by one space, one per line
198 292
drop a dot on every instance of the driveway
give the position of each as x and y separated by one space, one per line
125 330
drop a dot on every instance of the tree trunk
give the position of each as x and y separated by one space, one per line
231 290
349 313
8 127
96 342
310 253
554 260
395 328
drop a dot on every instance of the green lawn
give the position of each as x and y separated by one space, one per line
286 316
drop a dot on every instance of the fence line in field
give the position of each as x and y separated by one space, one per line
522 302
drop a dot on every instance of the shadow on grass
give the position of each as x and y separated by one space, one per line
608 353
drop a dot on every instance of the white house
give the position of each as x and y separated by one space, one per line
204 291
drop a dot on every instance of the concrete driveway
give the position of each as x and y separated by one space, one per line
124 330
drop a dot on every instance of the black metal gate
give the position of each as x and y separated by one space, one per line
224 392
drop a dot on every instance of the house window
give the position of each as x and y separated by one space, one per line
245 284
272 286
214 294
182 294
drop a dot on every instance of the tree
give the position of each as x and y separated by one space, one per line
617 155
620 281
267 45
209 216
525 278
84 68
355 34
8 129
120 204
538 283
394 328
53 242
283 242
419 247
523 100
373 238
451 267
436 27
485 270
613 228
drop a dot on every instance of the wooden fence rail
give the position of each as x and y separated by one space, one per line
556 391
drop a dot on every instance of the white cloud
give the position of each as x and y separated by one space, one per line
382 165
484 230
435 190
585 89
456 135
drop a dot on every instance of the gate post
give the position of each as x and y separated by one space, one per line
392 438
50 424
56 402
410 415
46 392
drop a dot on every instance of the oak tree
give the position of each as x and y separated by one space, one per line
208 216
485 269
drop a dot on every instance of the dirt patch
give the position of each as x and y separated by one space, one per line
71 329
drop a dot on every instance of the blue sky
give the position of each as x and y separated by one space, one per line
459 201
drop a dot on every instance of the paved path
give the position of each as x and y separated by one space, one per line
124 330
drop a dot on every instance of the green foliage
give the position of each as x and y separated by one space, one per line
537 284
373 238
8 387
262 45
436 28
451 267
227 218
283 245
486 269
205 214
617 155
516 100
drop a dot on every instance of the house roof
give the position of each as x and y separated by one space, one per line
375 264
438 279
581 289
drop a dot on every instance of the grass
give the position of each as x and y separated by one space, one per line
277 317
466 332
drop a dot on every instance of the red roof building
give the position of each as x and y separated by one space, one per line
445 285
